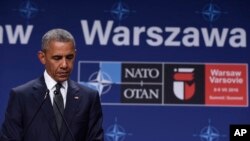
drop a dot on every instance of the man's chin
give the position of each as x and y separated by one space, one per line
62 78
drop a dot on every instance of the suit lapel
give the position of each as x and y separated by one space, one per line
40 90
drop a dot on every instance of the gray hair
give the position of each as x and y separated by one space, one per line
60 35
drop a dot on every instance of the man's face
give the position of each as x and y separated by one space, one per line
58 60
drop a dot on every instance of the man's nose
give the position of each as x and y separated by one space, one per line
64 63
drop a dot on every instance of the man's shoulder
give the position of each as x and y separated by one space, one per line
28 85
82 88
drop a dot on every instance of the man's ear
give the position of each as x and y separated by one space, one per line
41 57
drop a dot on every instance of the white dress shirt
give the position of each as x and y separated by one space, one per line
50 83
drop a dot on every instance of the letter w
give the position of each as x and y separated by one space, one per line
18 32
214 37
96 29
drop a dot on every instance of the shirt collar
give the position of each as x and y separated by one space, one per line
50 82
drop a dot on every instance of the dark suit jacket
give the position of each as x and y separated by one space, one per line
82 113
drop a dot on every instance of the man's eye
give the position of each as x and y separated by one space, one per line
70 57
57 57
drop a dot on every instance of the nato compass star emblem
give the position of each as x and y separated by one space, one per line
100 81
116 132
209 133
120 11
28 9
211 12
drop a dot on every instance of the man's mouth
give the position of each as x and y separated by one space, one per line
63 73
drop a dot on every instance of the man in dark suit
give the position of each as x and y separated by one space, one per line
52 107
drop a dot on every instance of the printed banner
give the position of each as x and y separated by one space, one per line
162 83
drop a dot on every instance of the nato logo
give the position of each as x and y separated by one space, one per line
116 132
120 11
211 12
100 81
123 82
209 133
105 77
99 76
184 84
28 9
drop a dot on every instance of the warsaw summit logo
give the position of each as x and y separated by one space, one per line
184 84
182 89
160 83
